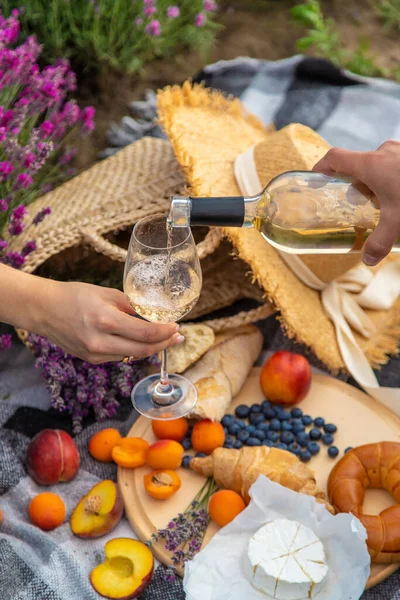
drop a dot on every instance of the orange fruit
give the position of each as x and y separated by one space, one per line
47 511
207 435
102 443
224 506
175 429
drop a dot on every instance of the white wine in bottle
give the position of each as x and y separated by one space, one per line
300 212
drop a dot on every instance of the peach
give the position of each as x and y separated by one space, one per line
126 571
52 457
207 436
165 454
286 378
98 512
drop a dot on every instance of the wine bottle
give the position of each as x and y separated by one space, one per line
300 212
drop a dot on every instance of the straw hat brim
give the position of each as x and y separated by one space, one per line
208 131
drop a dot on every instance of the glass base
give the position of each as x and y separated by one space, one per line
172 401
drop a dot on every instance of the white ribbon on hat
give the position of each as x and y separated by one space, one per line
343 299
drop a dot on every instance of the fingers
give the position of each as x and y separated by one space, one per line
382 239
118 323
345 162
115 348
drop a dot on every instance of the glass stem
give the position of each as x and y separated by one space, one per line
164 369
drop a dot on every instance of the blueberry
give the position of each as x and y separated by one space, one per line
237 445
319 422
256 408
242 411
253 441
281 445
327 439
307 420
298 427
313 448
228 420
242 424
275 425
189 432
186 461
243 435
229 440
287 437
294 449
284 415
266 404
267 443
315 434
286 426
260 434
348 449
297 421
201 455
255 418
251 429
302 438
234 429
272 435
186 443
263 427
296 412
228 446
269 413
305 456
330 428
333 451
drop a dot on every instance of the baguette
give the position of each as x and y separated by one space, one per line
221 372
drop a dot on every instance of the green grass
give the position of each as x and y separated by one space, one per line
389 11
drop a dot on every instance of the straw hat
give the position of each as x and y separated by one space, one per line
208 132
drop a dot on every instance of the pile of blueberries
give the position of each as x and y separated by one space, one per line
272 425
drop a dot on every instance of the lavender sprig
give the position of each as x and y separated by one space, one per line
80 388
184 535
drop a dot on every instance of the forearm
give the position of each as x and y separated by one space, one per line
24 299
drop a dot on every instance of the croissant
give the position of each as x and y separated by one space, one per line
370 466
237 470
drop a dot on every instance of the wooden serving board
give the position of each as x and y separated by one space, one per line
359 418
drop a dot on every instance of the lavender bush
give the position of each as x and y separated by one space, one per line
38 124
123 34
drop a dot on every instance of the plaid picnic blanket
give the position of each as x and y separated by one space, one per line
349 111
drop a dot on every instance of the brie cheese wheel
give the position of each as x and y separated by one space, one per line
286 561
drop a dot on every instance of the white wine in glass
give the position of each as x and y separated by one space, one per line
162 281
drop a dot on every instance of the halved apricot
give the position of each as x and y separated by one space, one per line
130 452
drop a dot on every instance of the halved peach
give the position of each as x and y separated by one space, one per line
126 571
98 512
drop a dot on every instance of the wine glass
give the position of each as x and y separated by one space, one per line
162 281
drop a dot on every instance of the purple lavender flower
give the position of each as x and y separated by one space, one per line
16 228
149 10
3 205
209 5
38 218
19 212
154 28
24 181
14 259
173 12
46 129
6 168
5 341
199 20
87 117
139 21
3 245
29 248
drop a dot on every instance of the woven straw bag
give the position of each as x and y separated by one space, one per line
92 210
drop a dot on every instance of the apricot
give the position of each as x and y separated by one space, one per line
170 430
130 452
47 511
162 484
286 378
126 571
52 457
98 512
224 506
165 454
1 516
207 436
101 444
